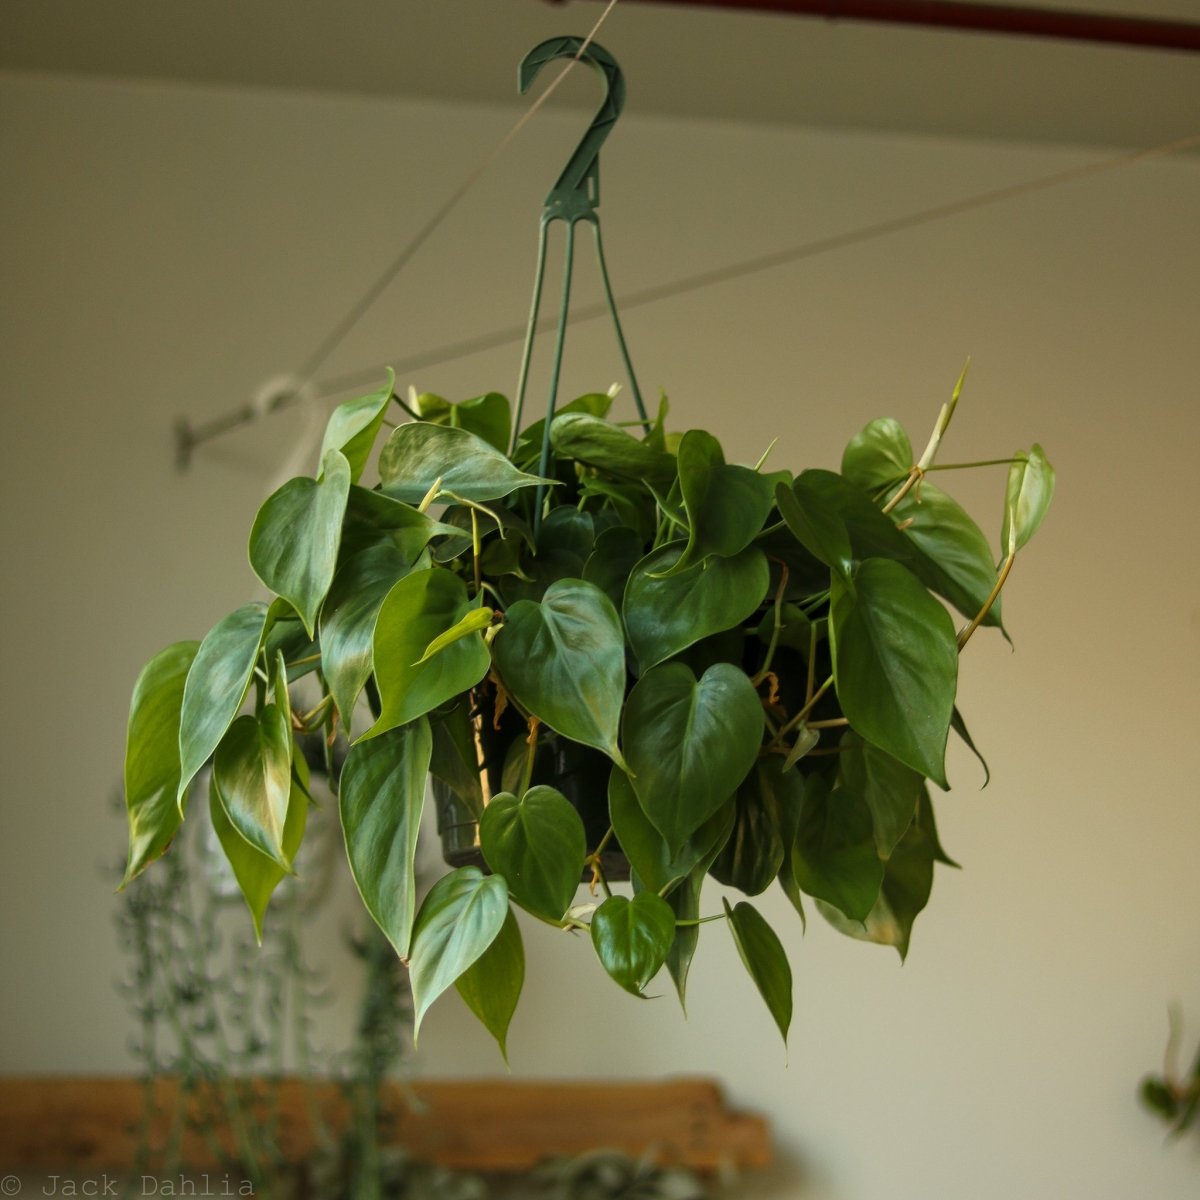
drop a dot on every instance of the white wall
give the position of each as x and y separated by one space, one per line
163 251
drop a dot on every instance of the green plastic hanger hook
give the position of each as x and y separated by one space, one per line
577 191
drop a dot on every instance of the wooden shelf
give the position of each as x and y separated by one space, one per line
486 1125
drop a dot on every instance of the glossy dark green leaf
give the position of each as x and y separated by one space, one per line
354 425
764 958
753 853
373 518
665 612
907 883
646 848
726 505
458 920
529 444
783 790
491 986
418 454
892 790
834 856
564 660
252 767
455 760
566 530
380 798
689 743
616 552
685 904
257 875
633 937
600 444
419 608
295 539
348 619
216 686
538 844
925 815
1027 498
955 558
816 526
152 755
488 416
879 456
960 727
895 662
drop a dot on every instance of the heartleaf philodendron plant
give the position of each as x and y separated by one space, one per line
763 665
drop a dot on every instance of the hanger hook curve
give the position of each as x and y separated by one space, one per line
580 179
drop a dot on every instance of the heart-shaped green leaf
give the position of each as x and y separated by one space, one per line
529 444
354 425
834 856
610 563
418 454
892 790
295 539
257 875
633 937
954 558
665 612
538 844
459 919
960 727
895 664
380 798
372 518
564 660
348 619
491 986
252 767
418 609
754 851
879 456
607 447
726 505
646 848
907 883
216 686
1027 498
816 526
152 755
764 958
689 743
488 417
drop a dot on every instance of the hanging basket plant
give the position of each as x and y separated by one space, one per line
595 635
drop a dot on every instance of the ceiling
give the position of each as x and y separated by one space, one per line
732 64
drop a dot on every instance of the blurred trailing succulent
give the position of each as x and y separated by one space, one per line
760 669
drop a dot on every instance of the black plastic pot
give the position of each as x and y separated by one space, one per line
578 771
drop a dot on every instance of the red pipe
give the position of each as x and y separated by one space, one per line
1146 32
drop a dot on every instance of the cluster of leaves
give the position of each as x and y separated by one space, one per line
762 662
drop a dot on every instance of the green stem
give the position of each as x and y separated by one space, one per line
798 719
964 635
531 741
476 548
774 642
966 466
700 920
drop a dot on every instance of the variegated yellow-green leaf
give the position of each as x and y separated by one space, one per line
152 755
